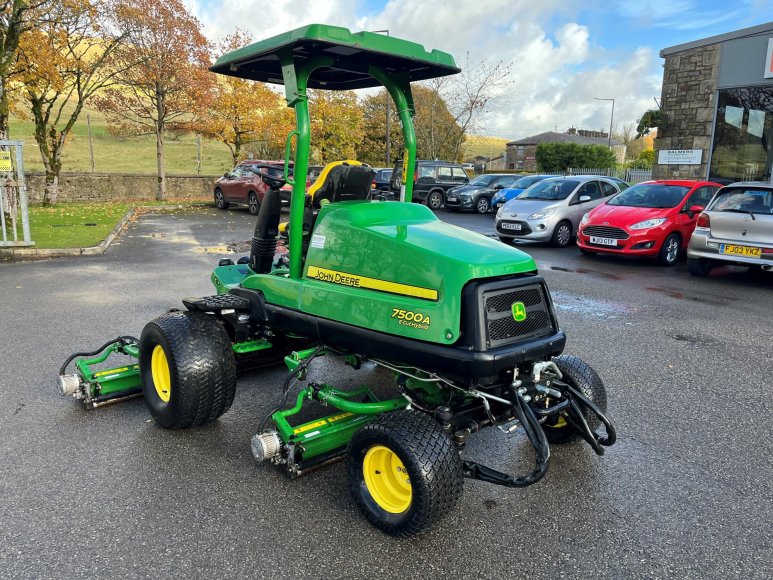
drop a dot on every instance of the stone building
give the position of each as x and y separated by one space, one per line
717 99
521 155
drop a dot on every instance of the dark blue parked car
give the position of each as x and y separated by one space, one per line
515 189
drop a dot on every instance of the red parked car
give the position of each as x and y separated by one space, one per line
243 185
652 219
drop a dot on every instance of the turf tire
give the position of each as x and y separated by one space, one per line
201 365
431 460
578 374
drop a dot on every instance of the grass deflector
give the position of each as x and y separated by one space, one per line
464 323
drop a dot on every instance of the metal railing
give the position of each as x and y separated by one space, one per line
13 196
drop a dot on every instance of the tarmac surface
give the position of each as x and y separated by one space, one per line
685 493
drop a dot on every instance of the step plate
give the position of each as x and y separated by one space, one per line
216 303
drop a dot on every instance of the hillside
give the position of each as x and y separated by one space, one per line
114 154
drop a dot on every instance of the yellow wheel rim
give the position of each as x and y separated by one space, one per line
387 479
159 368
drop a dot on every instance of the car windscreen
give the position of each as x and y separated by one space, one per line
550 190
482 180
525 182
656 195
744 200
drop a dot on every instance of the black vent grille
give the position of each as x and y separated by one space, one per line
501 326
605 232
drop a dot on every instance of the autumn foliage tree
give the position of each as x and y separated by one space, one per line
61 64
336 125
372 147
438 134
170 83
16 18
244 113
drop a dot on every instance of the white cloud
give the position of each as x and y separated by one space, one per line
558 64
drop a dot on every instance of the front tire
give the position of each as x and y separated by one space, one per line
578 374
562 235
671 250
253 203
404 472
220 202
187 369
482 205
435 200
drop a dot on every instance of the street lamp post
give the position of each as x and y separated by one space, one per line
611 120
388 128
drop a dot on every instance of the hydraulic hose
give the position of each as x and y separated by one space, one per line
121 339
538 440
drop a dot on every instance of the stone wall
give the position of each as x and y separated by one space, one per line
688 99
120 186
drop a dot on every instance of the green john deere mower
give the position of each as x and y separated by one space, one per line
464 323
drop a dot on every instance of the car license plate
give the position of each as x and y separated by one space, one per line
740 250
509 226
603 241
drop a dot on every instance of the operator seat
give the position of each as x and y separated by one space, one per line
343 182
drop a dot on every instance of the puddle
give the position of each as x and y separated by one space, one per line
605 275
689 297
590 306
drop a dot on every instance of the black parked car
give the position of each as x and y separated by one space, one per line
381 178
431 181
477 194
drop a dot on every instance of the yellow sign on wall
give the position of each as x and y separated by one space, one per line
5 161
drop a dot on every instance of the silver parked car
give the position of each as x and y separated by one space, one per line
551 209
736 227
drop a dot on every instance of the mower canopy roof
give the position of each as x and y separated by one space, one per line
354 53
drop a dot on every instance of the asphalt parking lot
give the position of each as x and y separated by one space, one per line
685 493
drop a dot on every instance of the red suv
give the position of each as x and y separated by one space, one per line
243 185
654 219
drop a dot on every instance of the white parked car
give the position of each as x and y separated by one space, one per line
551 209
736 227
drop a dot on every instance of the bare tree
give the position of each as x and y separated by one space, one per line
471 94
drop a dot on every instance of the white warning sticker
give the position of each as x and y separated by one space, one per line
317 241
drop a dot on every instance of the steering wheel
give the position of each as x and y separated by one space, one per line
272 182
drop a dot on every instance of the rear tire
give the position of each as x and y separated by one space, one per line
562 235
435 200
187 369
423 480
482 205
670 251
578 374
699 267
253 203
220 202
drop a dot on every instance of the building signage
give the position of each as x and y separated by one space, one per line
5 161
769 60
680 156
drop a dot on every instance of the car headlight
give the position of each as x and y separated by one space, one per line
646 224
585 219
543 213
499 212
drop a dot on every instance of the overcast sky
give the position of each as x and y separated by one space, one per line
563 52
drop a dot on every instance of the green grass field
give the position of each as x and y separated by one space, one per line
79 225
114 154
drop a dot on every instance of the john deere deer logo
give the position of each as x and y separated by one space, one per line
519 311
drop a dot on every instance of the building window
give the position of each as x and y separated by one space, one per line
743 135
520 150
